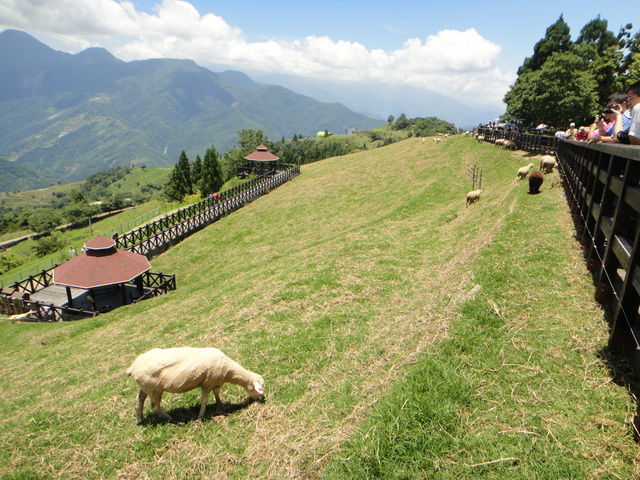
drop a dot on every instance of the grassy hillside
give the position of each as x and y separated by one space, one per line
349 290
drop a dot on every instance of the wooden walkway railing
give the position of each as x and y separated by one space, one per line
154 284
540 144
603 192
158 236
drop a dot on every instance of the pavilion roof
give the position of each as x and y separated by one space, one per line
261 154
101 265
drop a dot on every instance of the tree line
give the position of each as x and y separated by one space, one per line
569 80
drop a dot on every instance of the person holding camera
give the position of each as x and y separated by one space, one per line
633 100
618 115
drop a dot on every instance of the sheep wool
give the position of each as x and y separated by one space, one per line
179 370
21 317
473 196
522 172
547 163
535 180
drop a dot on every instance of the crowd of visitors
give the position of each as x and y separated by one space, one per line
619 122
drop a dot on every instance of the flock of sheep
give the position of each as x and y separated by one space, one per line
536 178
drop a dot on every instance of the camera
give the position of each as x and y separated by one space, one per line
611 109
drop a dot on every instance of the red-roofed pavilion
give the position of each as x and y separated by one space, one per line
261 160
101 265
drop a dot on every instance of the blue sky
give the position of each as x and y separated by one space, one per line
467 50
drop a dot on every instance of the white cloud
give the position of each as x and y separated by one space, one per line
459 64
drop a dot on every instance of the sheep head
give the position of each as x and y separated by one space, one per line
256 389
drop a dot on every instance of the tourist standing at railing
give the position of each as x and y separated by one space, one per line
633 93
570 134
617 108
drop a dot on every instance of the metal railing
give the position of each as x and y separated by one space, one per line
603 191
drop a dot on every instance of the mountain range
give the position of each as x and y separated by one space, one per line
65 116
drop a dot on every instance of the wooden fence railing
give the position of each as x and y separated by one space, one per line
603 192
158 236
149 240
541 144
154 284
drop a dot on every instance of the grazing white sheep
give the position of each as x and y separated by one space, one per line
473 196
509 145
480 138
547 163
522 172
21 317
500 142
437 139
179 370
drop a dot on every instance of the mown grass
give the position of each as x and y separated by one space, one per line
348 289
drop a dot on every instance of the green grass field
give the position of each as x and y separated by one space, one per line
401 334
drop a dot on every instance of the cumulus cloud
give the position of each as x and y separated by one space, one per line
459 64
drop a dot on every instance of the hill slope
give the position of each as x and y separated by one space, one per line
335 287
71 115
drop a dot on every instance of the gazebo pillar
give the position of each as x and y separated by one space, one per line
92 295
123 292
69 297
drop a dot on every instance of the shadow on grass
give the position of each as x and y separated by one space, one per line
184 415
624 375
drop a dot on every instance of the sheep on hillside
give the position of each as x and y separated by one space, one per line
179 370
523 171
473 196
21 317
510 145
547 163
535 180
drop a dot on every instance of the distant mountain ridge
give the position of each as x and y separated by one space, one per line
68 116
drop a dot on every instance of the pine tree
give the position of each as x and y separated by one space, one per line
196 173
557 39
211 180
179 183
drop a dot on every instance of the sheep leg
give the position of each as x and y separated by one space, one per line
203 402
142 396
219 403
156 398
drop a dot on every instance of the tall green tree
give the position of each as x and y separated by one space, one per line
630 65
602 51
196 173
557 39
212 178
247 143
597 34
179 183
561 91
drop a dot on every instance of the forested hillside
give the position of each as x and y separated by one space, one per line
68 116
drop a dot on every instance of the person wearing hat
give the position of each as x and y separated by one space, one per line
571 133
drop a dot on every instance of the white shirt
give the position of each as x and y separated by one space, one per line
634 128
